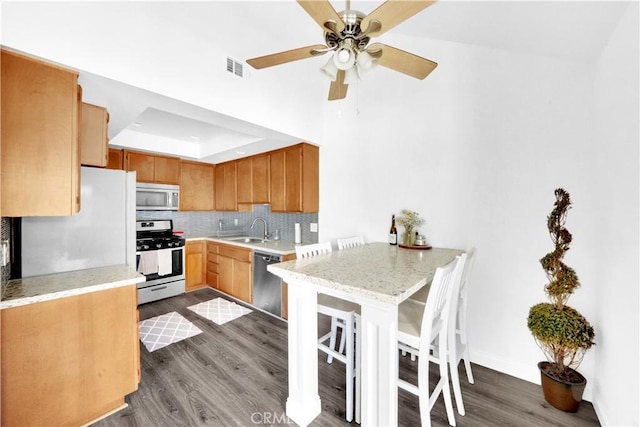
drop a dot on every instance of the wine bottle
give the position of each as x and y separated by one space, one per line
393 233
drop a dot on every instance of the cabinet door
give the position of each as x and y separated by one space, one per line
196 186
225 274
244 180
218 184
93 135
242 281
68 361
277 181
310 178
39 138
143 164
116 159
260 179
195 257
225 185
293 180
167 170
230 201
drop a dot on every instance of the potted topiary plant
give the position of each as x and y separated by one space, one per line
562 333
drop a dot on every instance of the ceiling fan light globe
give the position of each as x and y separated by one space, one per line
364 60
330 70
344 59
351 76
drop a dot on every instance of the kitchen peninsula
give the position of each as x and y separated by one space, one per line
70 351
377 276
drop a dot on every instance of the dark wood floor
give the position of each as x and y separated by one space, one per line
236 375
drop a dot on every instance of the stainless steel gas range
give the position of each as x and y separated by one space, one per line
160 258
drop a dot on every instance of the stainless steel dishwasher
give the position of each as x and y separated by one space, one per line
267 287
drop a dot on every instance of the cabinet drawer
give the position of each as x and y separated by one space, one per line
235 253
212 267
195 247
212 248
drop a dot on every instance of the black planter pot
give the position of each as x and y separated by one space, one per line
562 395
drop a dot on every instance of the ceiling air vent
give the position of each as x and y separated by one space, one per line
234 67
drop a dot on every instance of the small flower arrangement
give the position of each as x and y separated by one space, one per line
409 220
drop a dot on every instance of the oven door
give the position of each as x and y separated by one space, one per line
177 269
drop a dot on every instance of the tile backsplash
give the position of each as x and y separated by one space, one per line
204 224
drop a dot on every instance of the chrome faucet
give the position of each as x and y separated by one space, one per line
266 234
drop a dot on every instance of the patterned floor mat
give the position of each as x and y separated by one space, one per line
160 331
219 310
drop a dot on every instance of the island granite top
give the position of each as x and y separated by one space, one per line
47 287
375 271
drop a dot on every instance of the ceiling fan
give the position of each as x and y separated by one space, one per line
347 35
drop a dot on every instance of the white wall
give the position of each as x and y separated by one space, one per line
617 119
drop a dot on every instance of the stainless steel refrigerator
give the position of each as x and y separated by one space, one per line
101 234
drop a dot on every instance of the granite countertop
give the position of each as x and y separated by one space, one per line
376 271
279 247
47 287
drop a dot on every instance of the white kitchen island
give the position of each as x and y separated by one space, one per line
377 276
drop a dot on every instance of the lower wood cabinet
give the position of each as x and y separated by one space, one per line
235 272
195 259
69 361
212 265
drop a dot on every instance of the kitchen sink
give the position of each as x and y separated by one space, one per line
246 239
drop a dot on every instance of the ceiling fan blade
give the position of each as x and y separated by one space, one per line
321 11
338 90
399 60
287 56
393 12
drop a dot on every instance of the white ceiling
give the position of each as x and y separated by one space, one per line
573 30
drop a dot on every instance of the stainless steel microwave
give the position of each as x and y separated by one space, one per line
157 197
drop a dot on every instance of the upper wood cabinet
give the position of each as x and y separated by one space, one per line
39 139
143 164
153 167
196 186
294 179
253 180
225 186
167 170
94 141
260 181
244 177
116 159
